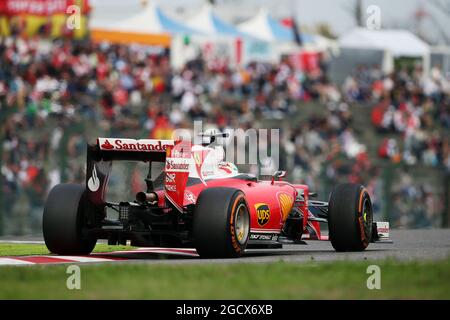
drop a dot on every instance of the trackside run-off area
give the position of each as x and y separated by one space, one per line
415 266
274 280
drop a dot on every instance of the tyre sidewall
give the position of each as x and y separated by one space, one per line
235 246
214 230
346 222
63 220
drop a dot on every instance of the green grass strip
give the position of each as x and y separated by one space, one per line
278 280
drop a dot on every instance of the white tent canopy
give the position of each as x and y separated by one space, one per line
399 43
264 27
151 20
208 22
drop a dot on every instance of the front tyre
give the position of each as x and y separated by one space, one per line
221 225
63 220
350 217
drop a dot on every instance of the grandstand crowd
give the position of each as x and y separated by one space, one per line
47 88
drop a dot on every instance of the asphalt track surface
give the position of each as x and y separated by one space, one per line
407 245
430 244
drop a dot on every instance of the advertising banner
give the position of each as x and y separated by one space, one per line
54 18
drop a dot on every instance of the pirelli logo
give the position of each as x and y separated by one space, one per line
262 213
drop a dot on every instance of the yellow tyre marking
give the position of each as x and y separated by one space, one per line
363 191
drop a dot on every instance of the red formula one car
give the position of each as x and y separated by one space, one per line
201 201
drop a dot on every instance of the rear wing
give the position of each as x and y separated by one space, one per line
109 149
101 154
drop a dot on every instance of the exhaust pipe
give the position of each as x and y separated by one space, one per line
143 197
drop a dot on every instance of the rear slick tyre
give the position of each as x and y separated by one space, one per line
63 221
221 225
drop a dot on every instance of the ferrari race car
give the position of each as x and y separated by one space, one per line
201 201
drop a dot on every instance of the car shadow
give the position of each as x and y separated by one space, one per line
290 252
250 253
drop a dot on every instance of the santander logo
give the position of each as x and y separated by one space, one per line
107 145
177 165
147 145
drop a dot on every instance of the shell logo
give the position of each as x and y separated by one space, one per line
197 158
286 201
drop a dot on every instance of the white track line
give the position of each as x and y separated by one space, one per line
81 259
23 241
12 262
97 257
